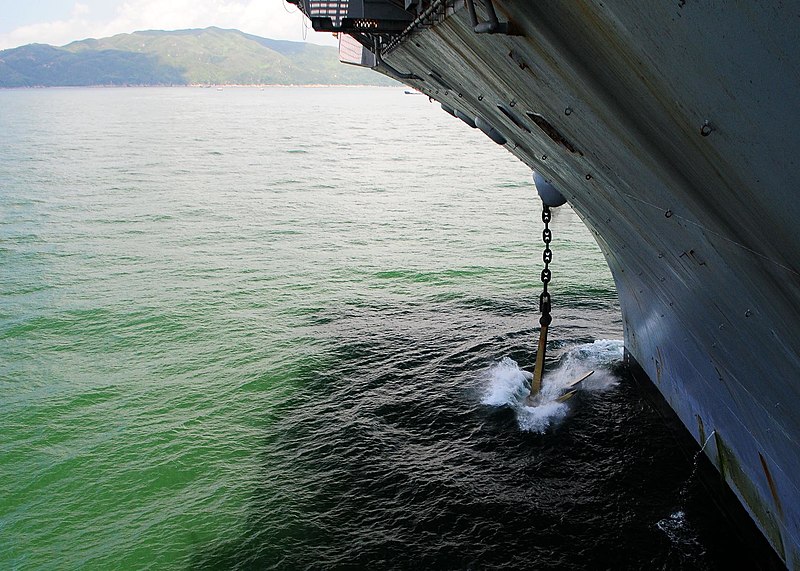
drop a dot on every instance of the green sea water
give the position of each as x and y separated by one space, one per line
266 329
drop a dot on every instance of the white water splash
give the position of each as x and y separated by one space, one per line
508 385
579 360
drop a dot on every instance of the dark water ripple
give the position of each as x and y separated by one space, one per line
248 330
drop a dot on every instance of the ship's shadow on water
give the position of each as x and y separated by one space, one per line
390 455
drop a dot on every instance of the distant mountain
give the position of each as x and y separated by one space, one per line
208 56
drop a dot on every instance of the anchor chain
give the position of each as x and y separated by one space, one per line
547 257
544 304
545 320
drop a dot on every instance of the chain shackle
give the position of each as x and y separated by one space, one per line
544 303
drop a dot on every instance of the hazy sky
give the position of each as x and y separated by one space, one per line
58 22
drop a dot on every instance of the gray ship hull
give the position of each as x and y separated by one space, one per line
673 129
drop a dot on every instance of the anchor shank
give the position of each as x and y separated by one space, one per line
536 383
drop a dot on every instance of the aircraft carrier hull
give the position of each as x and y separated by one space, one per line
673 130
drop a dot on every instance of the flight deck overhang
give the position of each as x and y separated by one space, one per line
357 16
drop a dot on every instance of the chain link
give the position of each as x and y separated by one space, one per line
547 257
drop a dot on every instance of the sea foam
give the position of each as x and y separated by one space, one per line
509 385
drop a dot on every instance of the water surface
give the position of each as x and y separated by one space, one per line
287 329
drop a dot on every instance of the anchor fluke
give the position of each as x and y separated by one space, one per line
571 386
566 396
580 380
